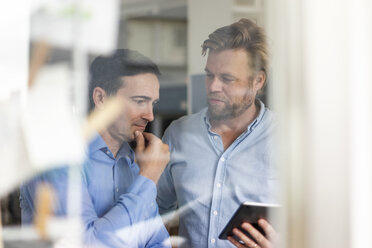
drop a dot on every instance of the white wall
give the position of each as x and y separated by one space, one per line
14 32
203 18
322 94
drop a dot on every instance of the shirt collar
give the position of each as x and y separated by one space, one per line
97 143
259 117
251 126
126 150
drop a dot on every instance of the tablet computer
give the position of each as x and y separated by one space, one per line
250 212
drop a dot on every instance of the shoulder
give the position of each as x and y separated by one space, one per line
185 126
268 115
188 121
269 119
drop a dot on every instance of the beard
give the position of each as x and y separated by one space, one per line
230 110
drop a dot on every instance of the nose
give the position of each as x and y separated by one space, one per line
213 85
149 114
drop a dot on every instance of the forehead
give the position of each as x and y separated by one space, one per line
146 84
228 61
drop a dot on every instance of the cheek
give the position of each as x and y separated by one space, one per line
233 93
133 115
130 111
244 91
238 94
122 122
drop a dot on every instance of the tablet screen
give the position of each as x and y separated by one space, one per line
250 212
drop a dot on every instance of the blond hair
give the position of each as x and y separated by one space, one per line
243 34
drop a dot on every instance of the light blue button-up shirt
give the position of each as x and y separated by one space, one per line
208 183
118 204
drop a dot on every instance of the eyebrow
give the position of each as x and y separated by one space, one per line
143 98
223 74
228 75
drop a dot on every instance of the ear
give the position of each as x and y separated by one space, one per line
259 80
99 97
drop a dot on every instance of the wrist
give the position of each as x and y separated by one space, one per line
149 176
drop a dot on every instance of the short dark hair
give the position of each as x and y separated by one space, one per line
244 34
105 71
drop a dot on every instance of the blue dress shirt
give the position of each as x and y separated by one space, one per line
118 204
208 183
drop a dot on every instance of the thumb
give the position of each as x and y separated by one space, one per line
151 138
140 140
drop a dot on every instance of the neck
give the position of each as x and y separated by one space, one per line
112 143
231 129
237 124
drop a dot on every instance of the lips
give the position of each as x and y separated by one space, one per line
140 126
215 101
216 97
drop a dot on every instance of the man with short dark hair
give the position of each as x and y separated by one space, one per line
221 156
118 194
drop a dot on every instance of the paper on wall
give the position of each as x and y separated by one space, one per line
14 162
52 132
93 24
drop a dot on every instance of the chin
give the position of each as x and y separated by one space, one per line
129 137
133 136
141 129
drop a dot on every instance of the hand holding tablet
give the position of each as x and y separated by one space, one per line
249 227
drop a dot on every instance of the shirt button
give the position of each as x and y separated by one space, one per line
213 241
215 212
223 159
218 185
108 152
117 189
215 137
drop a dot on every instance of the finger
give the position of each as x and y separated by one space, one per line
150 137
247 241
236 243
140 140
165 148
269 230
257 235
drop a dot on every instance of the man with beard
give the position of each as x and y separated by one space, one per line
220 156
118 194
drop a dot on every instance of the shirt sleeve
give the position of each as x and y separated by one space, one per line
167 198
133 221
56 179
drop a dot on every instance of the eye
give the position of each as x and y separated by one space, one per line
227 79
140 102
209 76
